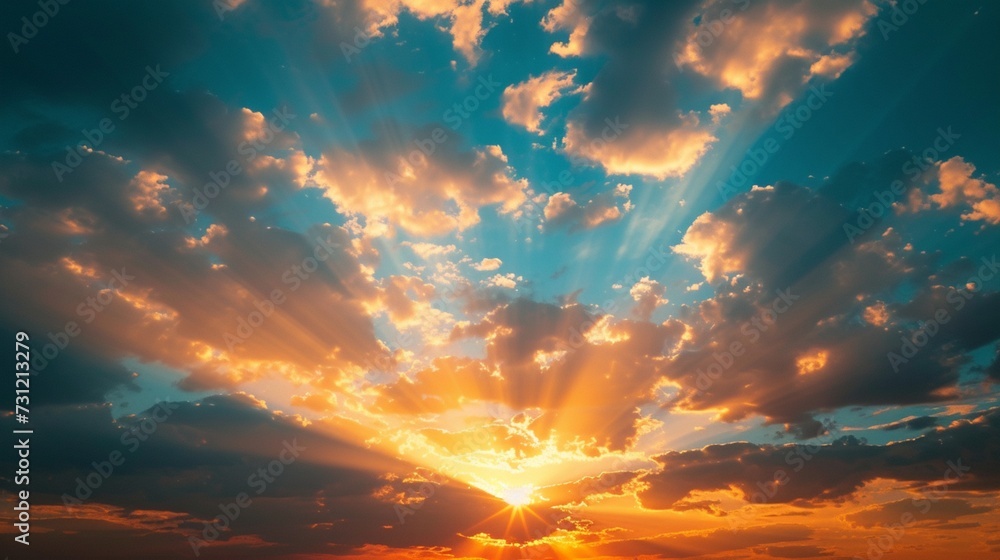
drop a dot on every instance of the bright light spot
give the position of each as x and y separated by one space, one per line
811 362
517 496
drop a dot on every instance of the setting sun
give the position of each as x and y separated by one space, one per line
500 279
517 496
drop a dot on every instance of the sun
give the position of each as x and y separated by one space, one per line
517 496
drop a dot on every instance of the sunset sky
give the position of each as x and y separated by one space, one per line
503 279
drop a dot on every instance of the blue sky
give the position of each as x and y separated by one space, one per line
618 236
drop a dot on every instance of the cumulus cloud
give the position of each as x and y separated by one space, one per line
648 295
920 462
561 211
768 50
648 45
508 280
643 150
958 188
701 241
125 225
147 191
465 19
543 354
770 253
422 194
523 102
629 120
488 264
719 111
428 251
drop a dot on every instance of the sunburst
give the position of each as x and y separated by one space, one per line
517 496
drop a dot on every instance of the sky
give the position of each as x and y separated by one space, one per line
501 279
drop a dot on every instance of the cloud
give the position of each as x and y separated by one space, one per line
88 79
467 30
959 189
189 292
769 50
794 551
561 211
771 253
915 423
147 191
832 65
423 194
428 251
202 455
508 280
701 241
407 300
544 354
629 120
832 472
648 47
488 264
568 15
464 18
694 545
719 111
943 510
522 103
643 150
876 314
648 295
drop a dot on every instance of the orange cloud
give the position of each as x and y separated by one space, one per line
488 264
420 193
958 187
749 47
522 103
464 17
708 241
641 150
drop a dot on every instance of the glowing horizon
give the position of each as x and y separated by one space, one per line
500 279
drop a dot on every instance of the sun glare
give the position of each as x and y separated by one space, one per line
517 496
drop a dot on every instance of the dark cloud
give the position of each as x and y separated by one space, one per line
337 495
994 369
799 303
68 242
833 472
89 54
718 541
562 212
794 551
76 376
939 513
918 423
